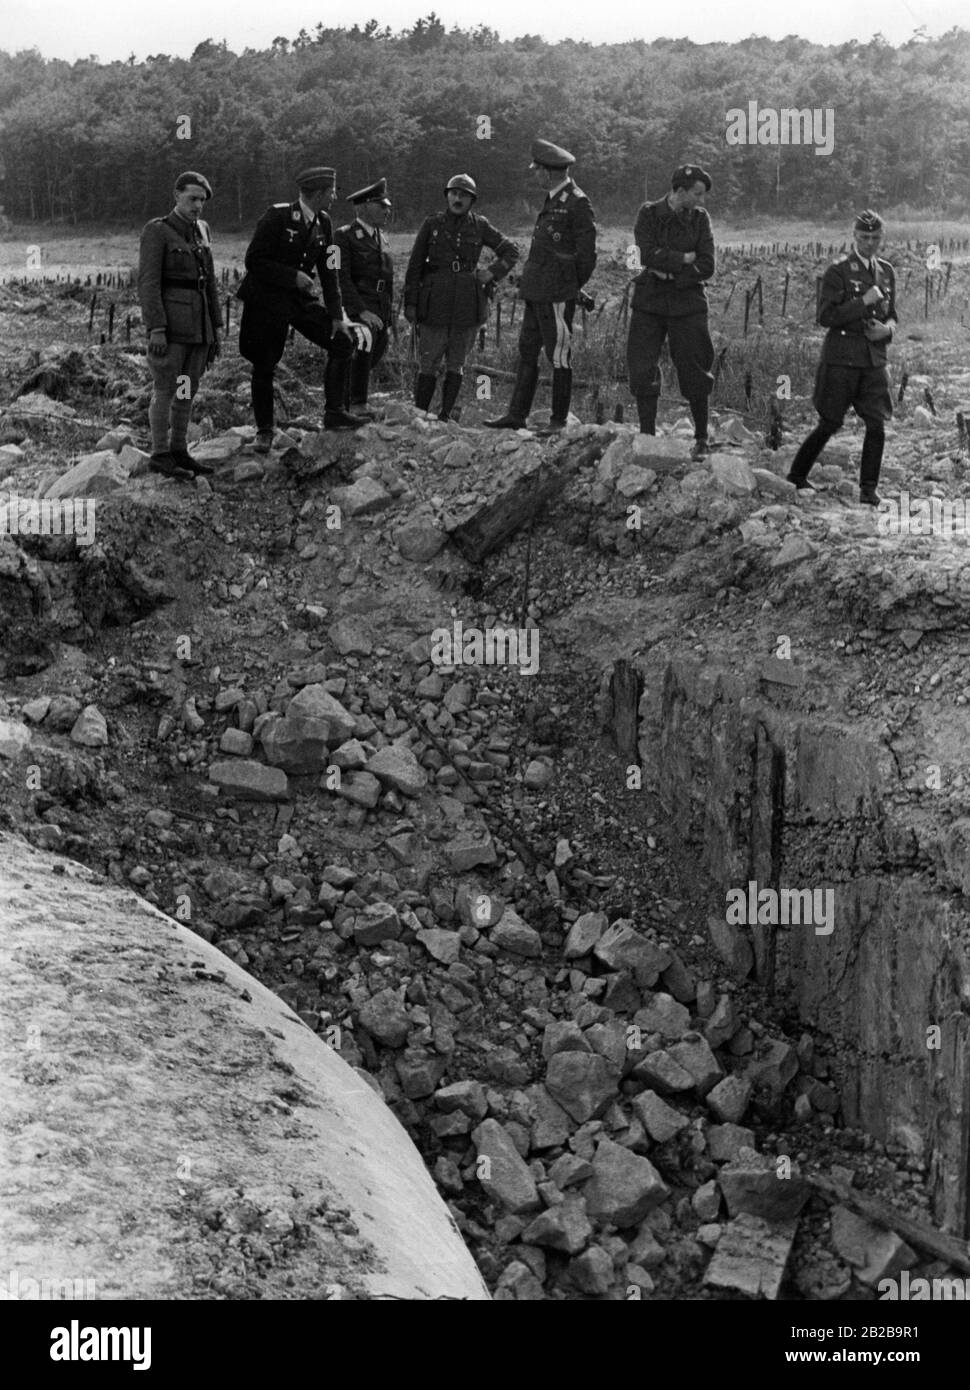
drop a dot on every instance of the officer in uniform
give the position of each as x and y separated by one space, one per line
561 259
676 247
857 304
180 311
446 291
291 241
367 283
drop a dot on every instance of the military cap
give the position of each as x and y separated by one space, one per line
373 193
190 176
317 177
868 221
546 155
689 174
463 183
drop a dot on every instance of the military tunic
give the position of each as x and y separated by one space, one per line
283 244
440 283
670 300
853 370
562 257
366 283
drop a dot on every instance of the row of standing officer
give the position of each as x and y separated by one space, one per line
446 297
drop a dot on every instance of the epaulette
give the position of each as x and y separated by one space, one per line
577 190
281 205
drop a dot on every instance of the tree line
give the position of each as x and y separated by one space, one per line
93 142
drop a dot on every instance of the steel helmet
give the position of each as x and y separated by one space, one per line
463 181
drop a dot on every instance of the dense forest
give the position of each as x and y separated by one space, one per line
100 142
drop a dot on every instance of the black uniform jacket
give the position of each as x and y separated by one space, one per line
283 243
842 312
366 270
177 282
440 281
663 237
562 256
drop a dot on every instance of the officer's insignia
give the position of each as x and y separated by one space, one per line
557 236
855 266
359 234
296 215
856 285
563 196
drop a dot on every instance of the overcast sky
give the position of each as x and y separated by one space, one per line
115 28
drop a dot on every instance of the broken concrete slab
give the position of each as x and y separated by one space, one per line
751 1257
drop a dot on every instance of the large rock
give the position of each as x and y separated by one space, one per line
506 1176
621 947
624 1187
728 1100
733 476
90 728
469 848
512 934
314 722
564 1227
378 922
420 540
362 498
14 738
103 1077
250 781
757 1185
95 475
694 1054
794 548
635 480
584 933
873 1252
662 1014
660 1120
385 1018
774 1064
751 1256
396 766
583 1083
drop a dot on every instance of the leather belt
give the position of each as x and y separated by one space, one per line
196 285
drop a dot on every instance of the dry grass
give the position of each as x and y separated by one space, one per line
775 344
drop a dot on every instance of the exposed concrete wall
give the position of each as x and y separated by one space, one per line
787 800
172 1130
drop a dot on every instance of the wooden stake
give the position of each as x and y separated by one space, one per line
918 1234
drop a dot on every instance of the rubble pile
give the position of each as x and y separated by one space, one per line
236 711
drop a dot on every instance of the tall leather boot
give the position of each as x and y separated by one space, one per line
647 411
872 447
526 381
450 388
808 452
562 391
335 417
699 414
424 389
358 385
